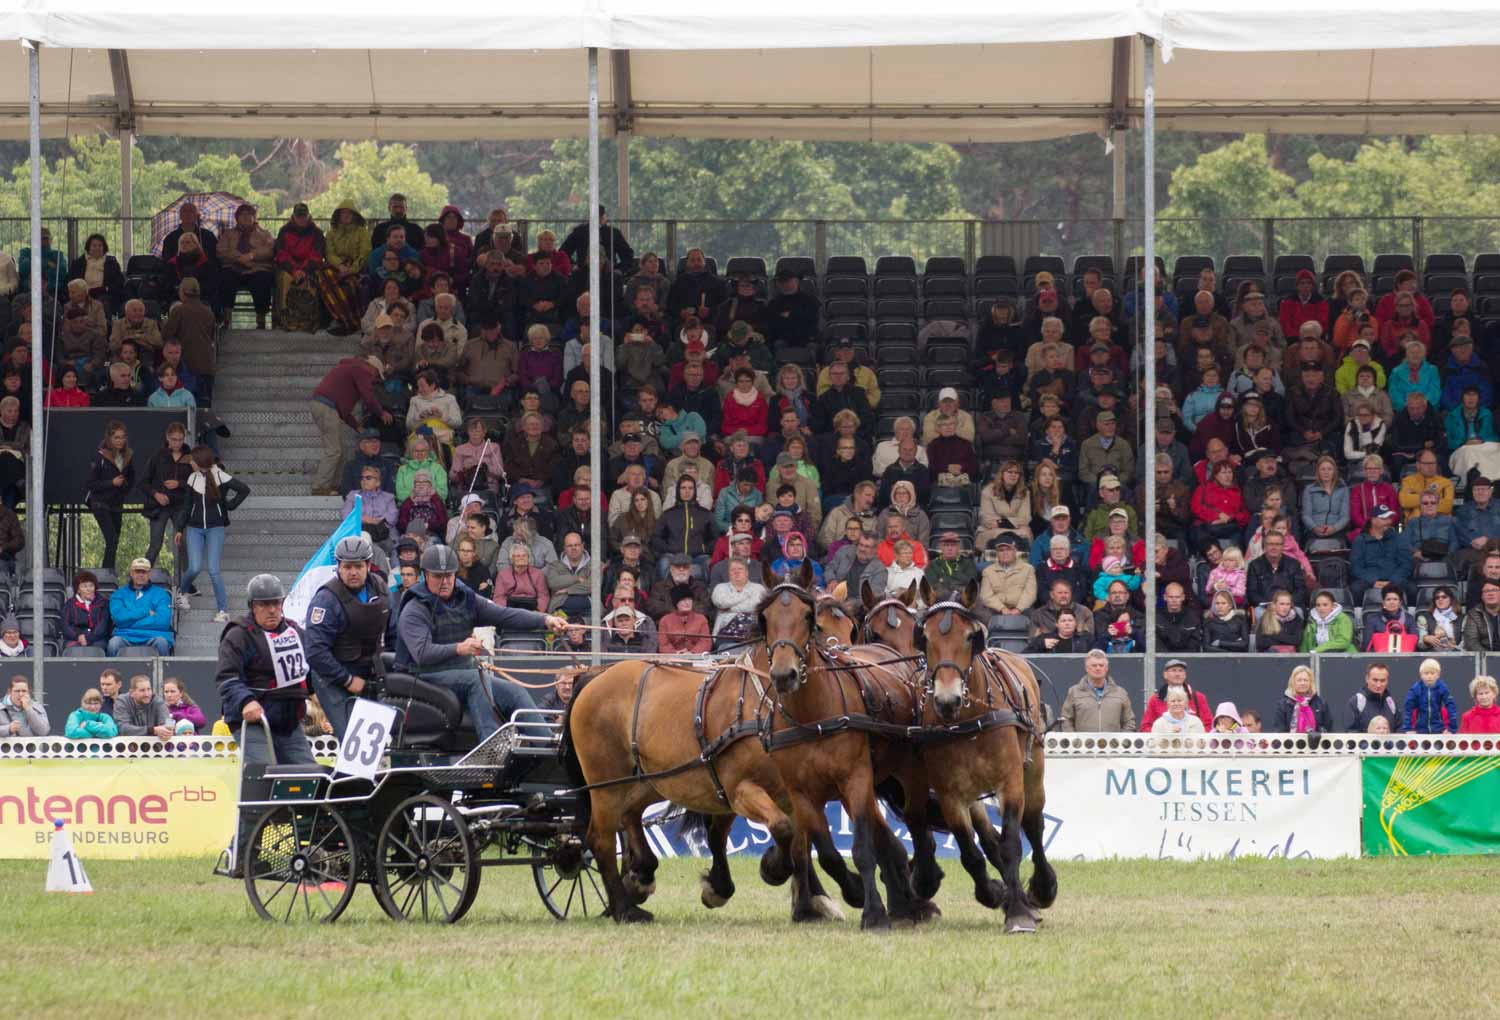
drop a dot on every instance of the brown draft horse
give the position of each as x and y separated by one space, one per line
965 681
630 733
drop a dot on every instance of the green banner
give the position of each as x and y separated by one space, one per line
1431 806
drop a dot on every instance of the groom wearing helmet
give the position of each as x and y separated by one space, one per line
346 624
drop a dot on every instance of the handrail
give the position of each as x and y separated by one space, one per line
32 748
1220 745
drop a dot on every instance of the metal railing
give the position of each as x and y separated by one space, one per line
1268 237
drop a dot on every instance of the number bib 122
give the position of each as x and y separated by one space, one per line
288 658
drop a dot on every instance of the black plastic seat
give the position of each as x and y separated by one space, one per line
995 265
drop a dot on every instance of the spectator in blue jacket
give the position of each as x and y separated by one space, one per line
1415 373
1464 369
1380 557
1430 535
1429 707
1469 421
141 612
1477 522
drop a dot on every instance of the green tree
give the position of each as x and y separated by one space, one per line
1216 204
367 173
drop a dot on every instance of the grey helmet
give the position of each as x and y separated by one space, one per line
439 559
265 588
353 549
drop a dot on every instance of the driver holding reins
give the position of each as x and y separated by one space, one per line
435 639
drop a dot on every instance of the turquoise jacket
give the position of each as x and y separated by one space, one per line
180 397
1458 432
85 725
1399 384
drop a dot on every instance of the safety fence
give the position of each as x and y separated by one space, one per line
670 238
1125 795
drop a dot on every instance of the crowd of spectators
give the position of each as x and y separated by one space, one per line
1324 464
1097 704
1309 454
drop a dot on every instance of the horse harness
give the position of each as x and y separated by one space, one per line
834 659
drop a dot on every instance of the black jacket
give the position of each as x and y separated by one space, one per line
1261 579
1286 715
114 279
832 401
102 493
1364 705
1180 631
198 511
791 319
159 469
1231 635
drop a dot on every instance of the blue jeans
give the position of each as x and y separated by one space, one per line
335 701
205 548
162 646
466 683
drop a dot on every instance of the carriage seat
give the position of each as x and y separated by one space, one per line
294 769
432 717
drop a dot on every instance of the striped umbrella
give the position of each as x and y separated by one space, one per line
215 209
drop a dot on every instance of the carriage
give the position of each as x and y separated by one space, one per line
422 831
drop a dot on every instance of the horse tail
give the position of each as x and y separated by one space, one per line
567 752
692 826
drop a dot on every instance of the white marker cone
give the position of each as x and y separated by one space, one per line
65 871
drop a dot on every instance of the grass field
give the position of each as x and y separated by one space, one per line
1358 939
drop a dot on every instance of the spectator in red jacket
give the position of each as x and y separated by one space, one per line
1175 675
1219 507
1406 283
745 408
1306 305
1484 717
299 251
66 393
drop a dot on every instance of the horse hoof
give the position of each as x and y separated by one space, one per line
926 886
1043 891
873 921
772 872
827 908
638 891
1020 925
926 911
989 893
635 915
711 899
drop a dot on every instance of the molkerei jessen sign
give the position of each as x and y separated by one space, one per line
1185 808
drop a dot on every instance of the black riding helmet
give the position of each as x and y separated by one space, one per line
439 559
264 588
353 549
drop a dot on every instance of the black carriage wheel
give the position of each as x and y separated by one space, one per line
568 881
300 864
426 866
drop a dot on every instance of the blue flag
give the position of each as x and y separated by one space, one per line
321 566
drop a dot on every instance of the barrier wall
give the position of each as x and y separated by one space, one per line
1108 795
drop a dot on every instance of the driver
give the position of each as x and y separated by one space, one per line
346 623
434 638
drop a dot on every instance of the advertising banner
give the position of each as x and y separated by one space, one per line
118 809
1432 805
1192 808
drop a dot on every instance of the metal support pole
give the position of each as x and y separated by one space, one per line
127 194
1117 173
596 356
622 182
1148 353
36 503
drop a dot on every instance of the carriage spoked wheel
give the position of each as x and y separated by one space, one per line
300 864
426 864
568 881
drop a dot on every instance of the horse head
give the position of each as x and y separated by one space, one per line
952 636
788 621
890 620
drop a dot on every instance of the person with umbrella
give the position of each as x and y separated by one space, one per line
190 221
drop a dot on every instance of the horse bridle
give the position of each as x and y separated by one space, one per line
891 605
950 609
786 591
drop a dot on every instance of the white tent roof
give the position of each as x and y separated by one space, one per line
960 70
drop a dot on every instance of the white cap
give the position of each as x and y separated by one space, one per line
947 393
